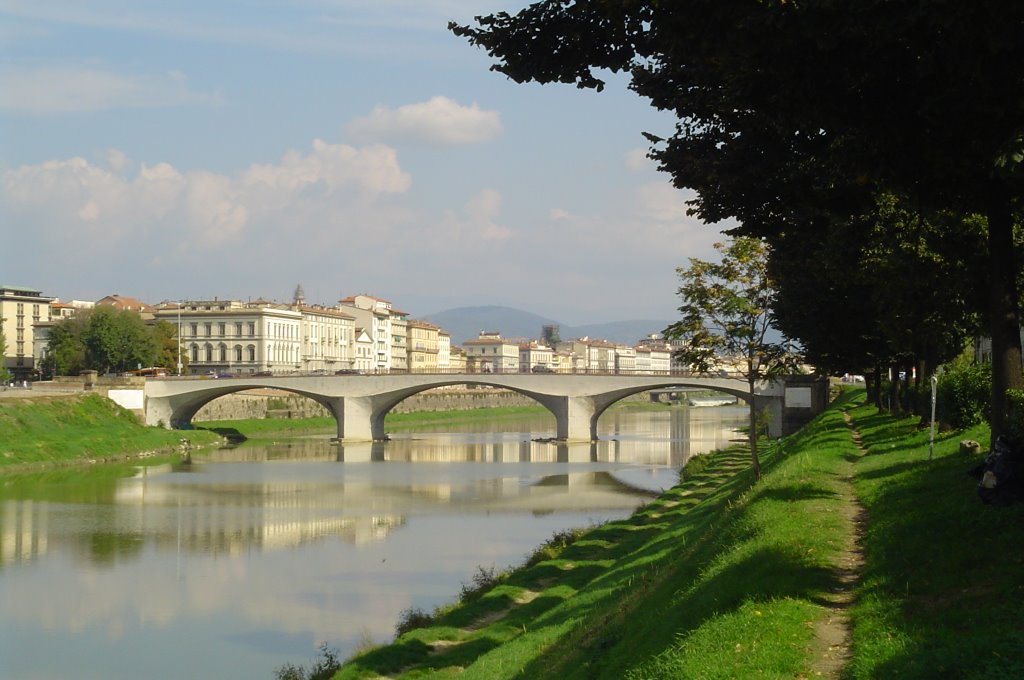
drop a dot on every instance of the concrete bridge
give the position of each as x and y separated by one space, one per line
360 402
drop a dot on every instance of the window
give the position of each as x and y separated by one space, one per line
238 328
195 353
209 351
252 352
252 328
194 329
223 353
238 352
209 328
223 329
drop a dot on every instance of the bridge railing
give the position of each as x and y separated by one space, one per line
674 373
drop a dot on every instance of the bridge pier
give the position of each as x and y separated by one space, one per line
357 419
575 417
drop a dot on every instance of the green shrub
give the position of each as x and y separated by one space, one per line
411 619
484 579
962 397
1015 416
554 546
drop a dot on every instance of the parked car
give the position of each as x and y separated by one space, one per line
346 371
541 368
263 374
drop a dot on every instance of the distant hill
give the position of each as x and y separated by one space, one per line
465 323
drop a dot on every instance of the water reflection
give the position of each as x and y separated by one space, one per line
251 556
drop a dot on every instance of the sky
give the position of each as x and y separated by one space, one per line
235 149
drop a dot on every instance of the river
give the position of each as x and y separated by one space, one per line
251 557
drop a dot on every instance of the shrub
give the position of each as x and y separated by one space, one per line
554 546
962 397
1015 416
484 579
412 618
322 668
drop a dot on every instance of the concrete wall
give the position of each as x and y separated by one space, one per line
277 404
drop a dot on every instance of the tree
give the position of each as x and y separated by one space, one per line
790 111
117 340
5 375
65 354
727 312
165 335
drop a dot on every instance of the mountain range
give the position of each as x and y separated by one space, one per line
466 323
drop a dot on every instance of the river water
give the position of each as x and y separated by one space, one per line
251 557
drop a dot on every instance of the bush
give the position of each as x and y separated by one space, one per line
962 397
412 618
554 546
323 667
1015 416
484 579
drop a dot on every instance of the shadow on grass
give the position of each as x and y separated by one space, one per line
643 627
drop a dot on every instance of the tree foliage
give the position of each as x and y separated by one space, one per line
795 115
5 375
103 339
727 312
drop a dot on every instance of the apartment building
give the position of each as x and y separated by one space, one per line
20 310
491 353
374 315
423 346
231 336
533 356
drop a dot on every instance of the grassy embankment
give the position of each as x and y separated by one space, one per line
722 578
62 430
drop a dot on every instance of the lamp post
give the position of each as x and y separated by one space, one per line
179 338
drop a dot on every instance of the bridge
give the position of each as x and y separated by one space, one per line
360 402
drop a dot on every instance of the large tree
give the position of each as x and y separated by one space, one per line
793 111
727 314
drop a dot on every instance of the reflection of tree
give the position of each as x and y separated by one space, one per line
105 548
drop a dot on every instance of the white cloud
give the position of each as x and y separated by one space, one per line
79 205
437 121
76 89
662 202
636 159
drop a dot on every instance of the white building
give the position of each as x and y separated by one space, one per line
20 309
374 316
490 353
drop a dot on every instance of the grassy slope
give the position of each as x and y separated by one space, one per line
70 429
718 579
943 589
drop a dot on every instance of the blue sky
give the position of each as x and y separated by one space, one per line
230 148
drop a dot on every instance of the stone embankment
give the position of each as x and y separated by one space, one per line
255 404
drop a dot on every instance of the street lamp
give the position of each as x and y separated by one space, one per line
179 338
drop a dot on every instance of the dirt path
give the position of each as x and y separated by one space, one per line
832 633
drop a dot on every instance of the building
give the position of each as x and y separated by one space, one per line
533 355
491 353
399 344
230 336
423 346
327 336
20 310
374 315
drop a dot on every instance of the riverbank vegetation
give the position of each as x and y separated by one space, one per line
722 578
83 428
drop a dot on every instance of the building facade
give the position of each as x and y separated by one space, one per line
20 310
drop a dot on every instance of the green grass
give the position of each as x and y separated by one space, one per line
75 429
714 579
723 578
943 591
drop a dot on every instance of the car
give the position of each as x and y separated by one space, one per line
346 371
262 374
541 368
